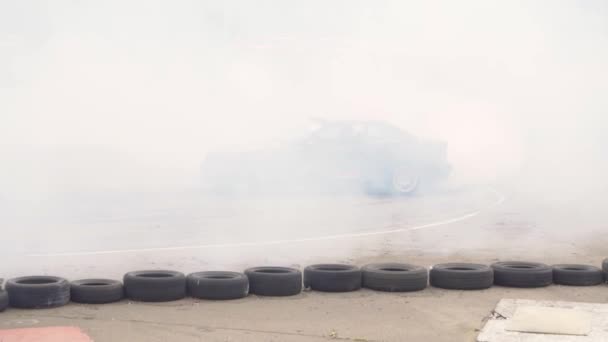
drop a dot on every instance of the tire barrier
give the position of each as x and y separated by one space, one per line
577 275
37 292
522 274
394 277
3 300
160 285
217 285
155 286
274 281
96 291
332 277
461 276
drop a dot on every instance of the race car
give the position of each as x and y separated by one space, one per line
374 157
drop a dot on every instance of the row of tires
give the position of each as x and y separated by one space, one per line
161 285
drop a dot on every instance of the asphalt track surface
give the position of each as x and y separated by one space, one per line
192 224
108 236
344 233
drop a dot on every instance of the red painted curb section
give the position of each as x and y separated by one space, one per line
50 334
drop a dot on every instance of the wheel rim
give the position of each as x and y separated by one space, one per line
405 183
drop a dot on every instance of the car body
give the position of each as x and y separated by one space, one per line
372 157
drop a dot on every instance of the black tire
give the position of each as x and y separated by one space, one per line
36 292
461 276
274 281
394 277
96 291
217 285
577 275
3 300
332 277
522 274
155 286
605 268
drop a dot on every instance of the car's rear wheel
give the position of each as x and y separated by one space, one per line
405 182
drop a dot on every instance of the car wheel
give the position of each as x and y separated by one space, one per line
522 274
332 277
217 285
404 182
577 275
38 292
461 276
393 277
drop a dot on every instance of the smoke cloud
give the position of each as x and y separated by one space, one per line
119 96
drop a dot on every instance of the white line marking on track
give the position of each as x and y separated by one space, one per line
500 199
